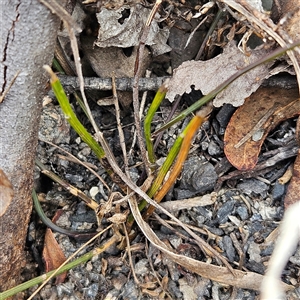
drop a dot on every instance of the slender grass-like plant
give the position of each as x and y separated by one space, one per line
159 97
70 115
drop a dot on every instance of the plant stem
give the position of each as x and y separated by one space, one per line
193 127
70 115
159 97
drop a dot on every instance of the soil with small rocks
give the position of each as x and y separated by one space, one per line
239 224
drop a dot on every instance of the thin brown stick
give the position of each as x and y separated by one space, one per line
129 255
135 92
70 188
119 125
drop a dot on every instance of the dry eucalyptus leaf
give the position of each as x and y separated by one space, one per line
241 279
251 123
123 27
6 192
52 254
207 75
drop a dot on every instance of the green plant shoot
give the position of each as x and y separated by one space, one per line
159 97
70 115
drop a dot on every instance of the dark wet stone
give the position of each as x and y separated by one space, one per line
255 267
198 177
224 211
225 114
228 247
278 191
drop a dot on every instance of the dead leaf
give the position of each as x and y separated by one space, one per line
6 192
207 75
246 280
291 28
252 122
123 27
52 254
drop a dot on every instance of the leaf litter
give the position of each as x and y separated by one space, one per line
186 261
52 253
207 75
252 122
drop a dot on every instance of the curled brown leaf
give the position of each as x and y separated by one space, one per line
252 122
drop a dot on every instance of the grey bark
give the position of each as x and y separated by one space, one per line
28 33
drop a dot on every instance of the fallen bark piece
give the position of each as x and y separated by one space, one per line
252 122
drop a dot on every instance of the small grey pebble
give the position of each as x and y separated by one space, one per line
213 149
198 176
268 251
173 288
295 259
204 146
130 291
200 220
278 191
255 267
92 290
228 247
224 211
224 114
74 178
255 186
242 211
142 267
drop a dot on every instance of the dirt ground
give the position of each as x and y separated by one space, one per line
236 212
